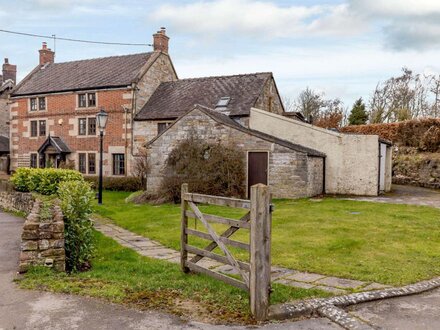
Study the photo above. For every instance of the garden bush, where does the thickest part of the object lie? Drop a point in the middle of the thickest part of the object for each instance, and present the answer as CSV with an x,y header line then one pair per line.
x,y
126,183
76,203
208,168
42,180
423,134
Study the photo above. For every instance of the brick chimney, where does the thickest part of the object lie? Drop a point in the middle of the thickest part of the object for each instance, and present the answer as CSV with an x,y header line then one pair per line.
x,y
9,71
160,41
46,55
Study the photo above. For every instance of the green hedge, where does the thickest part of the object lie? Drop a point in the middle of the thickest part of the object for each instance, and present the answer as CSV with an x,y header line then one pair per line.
x,y
76,203
126,183
43,180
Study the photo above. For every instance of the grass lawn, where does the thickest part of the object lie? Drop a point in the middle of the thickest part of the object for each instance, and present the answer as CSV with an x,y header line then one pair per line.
x,y
385,243
123,276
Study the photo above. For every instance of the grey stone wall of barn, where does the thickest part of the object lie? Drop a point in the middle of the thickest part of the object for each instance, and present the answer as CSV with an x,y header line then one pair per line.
x,y
292,174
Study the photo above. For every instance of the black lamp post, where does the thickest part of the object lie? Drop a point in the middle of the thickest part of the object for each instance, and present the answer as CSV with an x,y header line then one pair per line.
x,y
101,119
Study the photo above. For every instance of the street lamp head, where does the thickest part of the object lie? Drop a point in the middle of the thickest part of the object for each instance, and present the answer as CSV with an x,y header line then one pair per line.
x,y
101,119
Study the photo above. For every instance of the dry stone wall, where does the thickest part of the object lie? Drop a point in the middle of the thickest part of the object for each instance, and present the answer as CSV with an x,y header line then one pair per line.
x,y
15,201
43,238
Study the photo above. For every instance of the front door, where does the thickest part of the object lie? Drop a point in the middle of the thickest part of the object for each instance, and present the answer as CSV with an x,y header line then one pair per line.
x,y
257,169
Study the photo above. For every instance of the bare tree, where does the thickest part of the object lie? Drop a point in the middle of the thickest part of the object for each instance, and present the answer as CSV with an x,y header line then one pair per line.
x,y
309,103
401,98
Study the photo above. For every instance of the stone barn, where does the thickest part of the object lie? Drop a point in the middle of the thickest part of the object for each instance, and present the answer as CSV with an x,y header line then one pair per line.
x,y
291,170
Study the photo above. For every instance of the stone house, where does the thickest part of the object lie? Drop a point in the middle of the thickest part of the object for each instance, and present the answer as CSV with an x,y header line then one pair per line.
x,y
8,78
232,95
53,110
290,169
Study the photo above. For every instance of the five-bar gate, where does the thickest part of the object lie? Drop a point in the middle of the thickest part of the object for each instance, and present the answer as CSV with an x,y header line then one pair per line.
x,y
255,274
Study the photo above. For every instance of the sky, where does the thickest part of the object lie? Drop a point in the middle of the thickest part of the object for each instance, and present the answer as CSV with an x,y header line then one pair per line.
x,y
341,48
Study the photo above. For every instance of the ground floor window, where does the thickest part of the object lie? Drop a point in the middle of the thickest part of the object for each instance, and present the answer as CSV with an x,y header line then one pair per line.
x,y
82,163
92,164
118,164
42,162
34,160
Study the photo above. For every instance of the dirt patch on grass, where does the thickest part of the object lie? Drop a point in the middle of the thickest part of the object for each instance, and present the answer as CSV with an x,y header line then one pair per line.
x,y
191,309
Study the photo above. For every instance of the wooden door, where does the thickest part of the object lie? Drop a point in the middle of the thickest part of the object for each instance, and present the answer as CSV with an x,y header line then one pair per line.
x,y
257,169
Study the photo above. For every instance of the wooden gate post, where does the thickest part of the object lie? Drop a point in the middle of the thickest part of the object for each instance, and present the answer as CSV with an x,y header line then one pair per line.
x,y
183,234
260,242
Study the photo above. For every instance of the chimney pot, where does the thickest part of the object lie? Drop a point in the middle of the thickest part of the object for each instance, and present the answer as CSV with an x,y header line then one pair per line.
x,y
46,55
161,41
9,71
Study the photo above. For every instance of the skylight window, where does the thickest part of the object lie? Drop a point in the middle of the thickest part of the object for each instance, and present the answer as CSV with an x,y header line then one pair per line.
x,y
223,102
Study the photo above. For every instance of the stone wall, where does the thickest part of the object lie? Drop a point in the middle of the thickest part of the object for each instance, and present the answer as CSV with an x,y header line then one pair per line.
x,y
270,100
42,240
288,169
4,115
16,201
417,169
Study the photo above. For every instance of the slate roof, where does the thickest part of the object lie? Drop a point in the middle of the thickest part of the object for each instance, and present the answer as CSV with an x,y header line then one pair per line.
x,y
55,142
4,144
226,120
173,99
105,72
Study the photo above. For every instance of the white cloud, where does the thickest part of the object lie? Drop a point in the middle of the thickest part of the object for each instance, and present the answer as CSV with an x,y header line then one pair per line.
x,y
257,18
396,8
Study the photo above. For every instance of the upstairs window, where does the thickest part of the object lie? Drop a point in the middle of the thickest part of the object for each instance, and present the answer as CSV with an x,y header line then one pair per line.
x,y
41,103
82,101
162,127
92,126
91,100
42,128
33,104
87,100
82,126
34,128
37,103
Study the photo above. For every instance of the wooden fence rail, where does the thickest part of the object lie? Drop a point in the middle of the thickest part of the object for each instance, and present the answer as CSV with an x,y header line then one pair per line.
x,y
255,274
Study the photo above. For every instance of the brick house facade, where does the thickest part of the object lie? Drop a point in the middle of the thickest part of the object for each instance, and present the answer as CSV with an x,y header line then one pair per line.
x,y
53,109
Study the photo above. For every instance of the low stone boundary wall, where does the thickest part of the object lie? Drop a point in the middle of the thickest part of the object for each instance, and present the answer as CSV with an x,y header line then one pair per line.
x,y
43,238
16,201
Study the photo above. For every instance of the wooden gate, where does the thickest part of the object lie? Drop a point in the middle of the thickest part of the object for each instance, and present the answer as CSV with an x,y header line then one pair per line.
x,y
255,274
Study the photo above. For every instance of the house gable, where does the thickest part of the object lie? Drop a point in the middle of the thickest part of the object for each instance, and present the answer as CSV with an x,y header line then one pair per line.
x,y
290,167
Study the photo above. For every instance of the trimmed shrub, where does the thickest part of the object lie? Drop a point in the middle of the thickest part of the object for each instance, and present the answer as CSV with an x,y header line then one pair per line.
x,y
126,183
76,203
212,169
42,180
423,134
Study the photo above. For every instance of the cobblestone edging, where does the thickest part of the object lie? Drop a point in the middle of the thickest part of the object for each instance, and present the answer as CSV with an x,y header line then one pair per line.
x,y
285,276
325,306
42,239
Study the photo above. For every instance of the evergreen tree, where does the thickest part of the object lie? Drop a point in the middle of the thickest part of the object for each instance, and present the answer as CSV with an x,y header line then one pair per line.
x,y
358,115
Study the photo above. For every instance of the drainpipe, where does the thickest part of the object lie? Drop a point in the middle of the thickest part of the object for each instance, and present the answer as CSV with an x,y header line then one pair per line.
x,y
323,175
133,109
378,179
126,138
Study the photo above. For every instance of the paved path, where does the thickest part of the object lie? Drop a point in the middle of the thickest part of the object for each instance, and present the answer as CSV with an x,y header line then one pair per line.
x,y
406,195
152,249
26,310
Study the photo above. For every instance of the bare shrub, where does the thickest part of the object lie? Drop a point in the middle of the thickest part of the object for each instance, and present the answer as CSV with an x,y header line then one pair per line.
x,y
208,168
141,168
